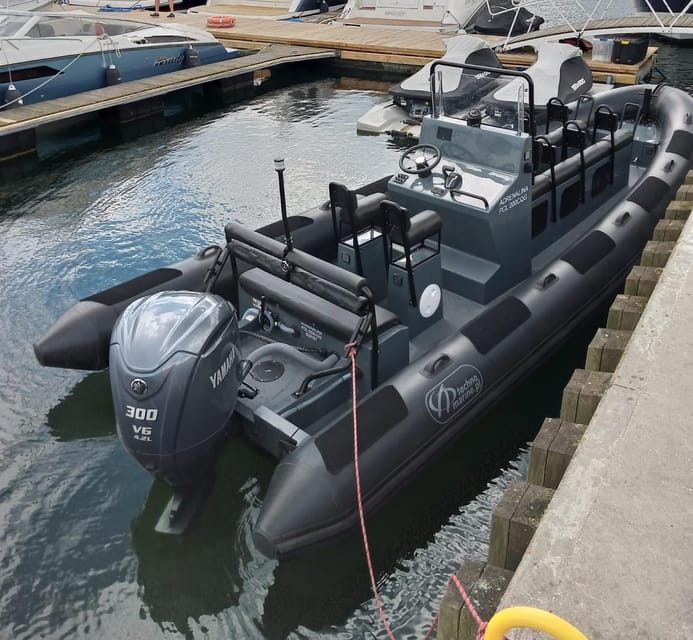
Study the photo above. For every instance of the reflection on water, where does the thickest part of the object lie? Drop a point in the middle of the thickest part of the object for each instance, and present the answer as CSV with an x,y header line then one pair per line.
x,y
85,412
79,557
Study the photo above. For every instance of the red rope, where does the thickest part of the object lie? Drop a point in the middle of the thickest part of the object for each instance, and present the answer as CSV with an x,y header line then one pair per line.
x,y
481,625
351,353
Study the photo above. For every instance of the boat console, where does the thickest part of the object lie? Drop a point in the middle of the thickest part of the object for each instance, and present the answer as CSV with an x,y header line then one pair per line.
x,y
478,178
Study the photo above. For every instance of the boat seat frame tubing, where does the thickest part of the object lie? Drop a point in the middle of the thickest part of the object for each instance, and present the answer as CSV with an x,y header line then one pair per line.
x,y
556,111
562,175
606,120
574,137
547,149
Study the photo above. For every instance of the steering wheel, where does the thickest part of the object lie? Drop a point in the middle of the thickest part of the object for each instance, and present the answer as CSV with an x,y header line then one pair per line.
x,y
420,159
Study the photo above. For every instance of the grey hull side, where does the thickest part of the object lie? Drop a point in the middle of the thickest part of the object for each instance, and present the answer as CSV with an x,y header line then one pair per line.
x,y
408,421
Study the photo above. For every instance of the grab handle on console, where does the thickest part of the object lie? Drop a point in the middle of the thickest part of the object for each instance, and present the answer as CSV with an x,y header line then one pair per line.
x,y
459,192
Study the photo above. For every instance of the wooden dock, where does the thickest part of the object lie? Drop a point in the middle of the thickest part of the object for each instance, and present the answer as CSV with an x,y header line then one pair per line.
x,y
31,116
404,47
275,43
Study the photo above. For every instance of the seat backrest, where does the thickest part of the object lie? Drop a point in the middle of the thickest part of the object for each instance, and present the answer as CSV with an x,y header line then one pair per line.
x,y
343,206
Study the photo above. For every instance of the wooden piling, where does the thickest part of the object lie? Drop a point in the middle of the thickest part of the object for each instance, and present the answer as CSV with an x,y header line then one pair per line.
x,y
685,191
582,395
485,585
642,280
678,210
656,253
625,312
552,451
606,348
668,229
514,522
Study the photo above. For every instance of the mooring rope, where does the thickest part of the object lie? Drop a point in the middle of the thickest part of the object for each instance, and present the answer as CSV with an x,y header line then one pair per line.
x,y
50,78
351,349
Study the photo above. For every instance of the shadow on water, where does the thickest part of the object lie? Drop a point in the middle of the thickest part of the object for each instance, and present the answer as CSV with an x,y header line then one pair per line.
x,y
85,412
204,571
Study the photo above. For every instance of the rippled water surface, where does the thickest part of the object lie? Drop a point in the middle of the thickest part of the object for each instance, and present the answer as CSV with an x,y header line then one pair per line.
x,y
78,555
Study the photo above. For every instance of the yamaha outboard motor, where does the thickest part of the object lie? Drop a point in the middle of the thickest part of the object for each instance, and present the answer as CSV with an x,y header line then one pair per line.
x,y
175,375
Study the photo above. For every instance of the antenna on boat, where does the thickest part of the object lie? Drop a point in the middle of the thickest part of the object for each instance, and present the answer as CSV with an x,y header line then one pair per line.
x,y
279,168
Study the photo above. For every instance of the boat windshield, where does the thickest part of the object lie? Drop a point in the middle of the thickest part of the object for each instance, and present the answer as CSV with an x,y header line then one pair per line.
x,y
493,97
72,24
10,24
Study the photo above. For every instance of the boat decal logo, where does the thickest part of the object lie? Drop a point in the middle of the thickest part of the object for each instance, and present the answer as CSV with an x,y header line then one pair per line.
x,y
450,396
220,374
138,386
164,60
511,200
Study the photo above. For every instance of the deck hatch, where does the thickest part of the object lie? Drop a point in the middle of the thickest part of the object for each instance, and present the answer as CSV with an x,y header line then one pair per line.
x,y
132,287
650,194
377,414
496,324
590,250
681,144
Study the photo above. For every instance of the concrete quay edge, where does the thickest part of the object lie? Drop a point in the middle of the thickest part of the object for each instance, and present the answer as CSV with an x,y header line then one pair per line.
x,y
613,554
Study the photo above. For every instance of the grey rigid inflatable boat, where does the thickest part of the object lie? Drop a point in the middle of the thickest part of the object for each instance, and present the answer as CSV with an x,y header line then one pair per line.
x,y
454,278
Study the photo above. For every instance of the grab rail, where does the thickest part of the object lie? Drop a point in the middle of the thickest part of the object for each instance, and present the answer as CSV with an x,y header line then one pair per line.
x,y
497,71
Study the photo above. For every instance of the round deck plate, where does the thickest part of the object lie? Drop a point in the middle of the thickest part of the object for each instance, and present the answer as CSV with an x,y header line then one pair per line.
x,y
267,371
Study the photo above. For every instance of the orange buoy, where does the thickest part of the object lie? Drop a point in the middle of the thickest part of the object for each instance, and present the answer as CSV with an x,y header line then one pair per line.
x,y
221,21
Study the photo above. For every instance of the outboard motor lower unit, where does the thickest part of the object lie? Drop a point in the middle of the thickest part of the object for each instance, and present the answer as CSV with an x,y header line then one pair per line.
x,y
175,374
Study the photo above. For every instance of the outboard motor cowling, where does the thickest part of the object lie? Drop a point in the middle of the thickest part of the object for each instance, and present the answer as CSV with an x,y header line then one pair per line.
x,y
175,374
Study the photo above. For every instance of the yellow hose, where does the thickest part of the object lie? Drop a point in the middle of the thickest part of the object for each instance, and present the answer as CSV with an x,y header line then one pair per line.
x,y
536,619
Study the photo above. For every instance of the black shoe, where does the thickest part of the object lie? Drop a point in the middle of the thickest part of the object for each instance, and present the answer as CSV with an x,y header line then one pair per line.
x,y
171,15
154,14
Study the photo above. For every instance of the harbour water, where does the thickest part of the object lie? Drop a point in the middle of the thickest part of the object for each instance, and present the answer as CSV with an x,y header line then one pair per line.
x,y
78,554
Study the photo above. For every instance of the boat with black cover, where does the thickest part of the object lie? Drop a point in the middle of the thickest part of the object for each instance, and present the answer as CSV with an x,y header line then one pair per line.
x,y
559,73
447,282
411,98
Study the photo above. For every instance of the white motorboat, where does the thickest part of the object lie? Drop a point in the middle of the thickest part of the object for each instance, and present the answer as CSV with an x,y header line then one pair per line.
x,y
411,99
501,17
24,5
117,5
50,55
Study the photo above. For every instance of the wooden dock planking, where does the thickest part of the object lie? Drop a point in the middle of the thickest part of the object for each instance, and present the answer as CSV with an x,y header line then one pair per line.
x,y
402,46
374,40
